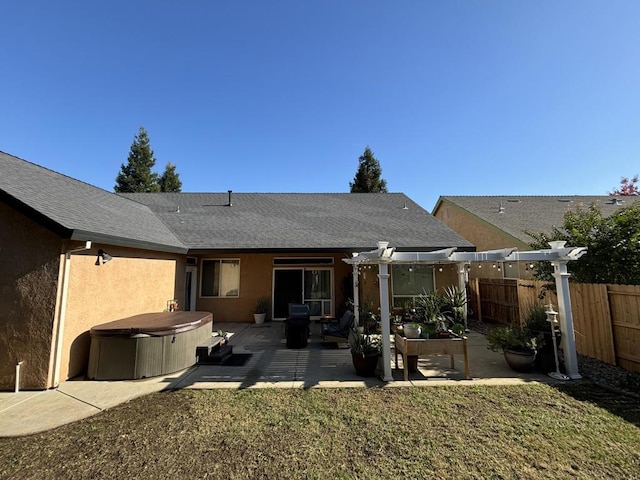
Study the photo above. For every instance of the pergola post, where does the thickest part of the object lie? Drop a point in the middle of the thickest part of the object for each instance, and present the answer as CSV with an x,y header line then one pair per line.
x,y
383,277
566,319
462,285
356,293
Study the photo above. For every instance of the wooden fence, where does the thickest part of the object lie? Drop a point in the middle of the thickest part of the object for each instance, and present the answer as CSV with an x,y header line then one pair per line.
x,y
606,317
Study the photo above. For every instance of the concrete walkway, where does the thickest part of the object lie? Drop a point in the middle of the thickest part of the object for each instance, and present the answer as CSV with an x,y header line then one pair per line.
x,y
271,365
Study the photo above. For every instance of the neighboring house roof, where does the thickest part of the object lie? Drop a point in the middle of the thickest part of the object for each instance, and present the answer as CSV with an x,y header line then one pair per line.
x,y
299,221
516,214
79,211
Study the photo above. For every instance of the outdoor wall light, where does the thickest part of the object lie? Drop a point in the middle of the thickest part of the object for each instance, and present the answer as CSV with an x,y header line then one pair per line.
x,y
105,257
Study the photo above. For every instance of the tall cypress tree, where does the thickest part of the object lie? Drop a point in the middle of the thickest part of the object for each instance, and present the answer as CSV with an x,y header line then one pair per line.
x,y
368,177
136,176
170,180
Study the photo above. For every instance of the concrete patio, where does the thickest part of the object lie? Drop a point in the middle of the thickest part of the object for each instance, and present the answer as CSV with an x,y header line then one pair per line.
x,y
271,365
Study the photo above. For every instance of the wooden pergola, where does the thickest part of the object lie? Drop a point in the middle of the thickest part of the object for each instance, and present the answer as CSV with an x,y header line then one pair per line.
x,y
558,255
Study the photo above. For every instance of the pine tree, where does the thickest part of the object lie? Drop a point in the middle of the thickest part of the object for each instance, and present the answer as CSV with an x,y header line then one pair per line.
x,y
170,180
368,176
136,176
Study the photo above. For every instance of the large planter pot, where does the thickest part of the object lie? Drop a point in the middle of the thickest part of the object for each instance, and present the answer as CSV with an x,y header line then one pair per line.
x,y
259,318
365,366
520,361
410,331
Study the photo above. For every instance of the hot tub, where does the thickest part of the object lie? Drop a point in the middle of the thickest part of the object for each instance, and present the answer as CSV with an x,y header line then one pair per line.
x,y
147,345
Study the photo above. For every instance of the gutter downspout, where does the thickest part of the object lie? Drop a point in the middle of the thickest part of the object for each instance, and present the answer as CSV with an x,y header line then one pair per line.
x,y
58,338
18,365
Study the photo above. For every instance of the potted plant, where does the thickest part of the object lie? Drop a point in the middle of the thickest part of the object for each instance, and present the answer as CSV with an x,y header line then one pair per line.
x,y
535,320
260,310
518,345
412,330
365,350
455,303
429,310
368,320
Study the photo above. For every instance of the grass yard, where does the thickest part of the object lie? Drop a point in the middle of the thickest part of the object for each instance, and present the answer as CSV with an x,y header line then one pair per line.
x,y
577,430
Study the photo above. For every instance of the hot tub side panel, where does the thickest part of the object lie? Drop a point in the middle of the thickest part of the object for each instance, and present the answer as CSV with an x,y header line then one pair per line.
x,y
130,358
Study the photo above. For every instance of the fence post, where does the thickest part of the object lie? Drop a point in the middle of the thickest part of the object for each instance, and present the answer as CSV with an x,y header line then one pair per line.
x,y
476,286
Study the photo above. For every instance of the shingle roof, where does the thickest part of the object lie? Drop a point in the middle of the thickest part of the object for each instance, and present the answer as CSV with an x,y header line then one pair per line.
x,y
531,213
81,211
299,220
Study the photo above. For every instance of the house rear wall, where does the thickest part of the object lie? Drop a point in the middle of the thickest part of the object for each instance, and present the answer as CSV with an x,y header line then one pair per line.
x,y
134,282
29,265
256,280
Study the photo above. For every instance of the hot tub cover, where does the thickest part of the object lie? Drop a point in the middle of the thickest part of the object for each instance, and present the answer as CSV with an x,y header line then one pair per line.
x,y
153,324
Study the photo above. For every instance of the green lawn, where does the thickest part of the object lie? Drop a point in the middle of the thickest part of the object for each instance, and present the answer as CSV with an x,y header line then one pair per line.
x,y
529,431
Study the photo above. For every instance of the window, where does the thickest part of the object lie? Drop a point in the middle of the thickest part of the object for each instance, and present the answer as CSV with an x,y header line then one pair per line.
x,y
317,291
409,281
303,261
220,278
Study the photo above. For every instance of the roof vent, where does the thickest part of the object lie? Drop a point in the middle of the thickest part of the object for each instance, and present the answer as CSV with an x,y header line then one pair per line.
x,y
501,208
229,204
405,206
565,200
616,201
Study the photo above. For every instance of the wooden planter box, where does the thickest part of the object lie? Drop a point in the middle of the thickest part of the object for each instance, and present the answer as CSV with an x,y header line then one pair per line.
x,y
435,346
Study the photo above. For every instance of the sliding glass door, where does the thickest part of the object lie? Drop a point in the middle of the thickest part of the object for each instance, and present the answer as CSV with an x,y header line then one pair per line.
x,y
313,286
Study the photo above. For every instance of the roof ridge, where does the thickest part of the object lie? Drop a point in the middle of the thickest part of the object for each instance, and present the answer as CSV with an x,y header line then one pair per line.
x,y
234,192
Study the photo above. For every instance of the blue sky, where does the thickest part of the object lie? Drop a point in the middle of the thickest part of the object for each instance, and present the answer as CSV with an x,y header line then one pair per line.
x,y
453,97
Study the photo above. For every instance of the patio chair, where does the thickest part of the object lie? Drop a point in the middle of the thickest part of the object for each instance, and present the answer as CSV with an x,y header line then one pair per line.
x,y
338,332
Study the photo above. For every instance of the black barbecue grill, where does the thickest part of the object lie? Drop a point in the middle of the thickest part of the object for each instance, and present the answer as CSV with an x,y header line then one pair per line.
x,y
297,325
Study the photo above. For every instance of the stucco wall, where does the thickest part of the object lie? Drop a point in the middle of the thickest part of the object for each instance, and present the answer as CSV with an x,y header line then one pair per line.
x,y
485,237
29,265
256,280
134,282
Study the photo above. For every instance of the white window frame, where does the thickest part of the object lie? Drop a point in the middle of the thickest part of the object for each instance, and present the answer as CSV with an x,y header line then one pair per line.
x,y
322,300
203,262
